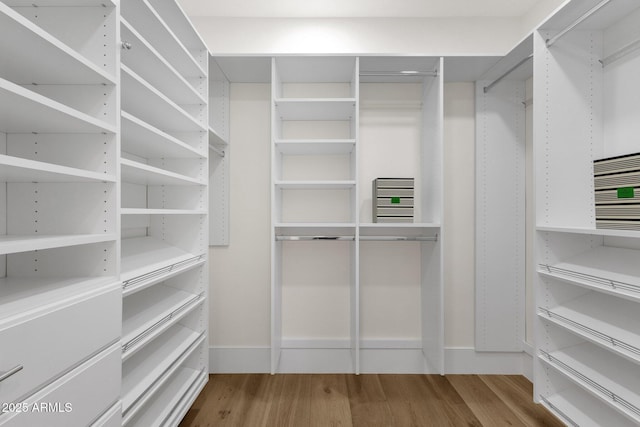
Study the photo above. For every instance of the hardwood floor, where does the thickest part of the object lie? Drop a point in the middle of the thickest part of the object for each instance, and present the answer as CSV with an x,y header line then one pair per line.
x,y
301,400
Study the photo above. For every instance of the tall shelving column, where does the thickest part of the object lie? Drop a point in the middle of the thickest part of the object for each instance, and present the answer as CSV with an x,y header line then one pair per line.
x,y
164,173
401,122
314,198
59,146
588,279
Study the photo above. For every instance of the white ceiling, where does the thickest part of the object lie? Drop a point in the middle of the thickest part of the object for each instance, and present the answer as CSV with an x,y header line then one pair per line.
x,y
357,8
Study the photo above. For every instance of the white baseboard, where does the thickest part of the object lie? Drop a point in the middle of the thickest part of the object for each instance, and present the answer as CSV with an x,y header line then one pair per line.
x,y
465,360
527,360
383,356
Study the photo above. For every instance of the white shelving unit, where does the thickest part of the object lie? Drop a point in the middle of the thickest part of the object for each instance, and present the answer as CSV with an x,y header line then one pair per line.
x,y
164,205
320,230
587,280
219,155
59,234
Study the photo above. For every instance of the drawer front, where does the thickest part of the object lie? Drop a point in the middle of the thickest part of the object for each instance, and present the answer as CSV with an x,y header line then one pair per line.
x,y
76,399
51,344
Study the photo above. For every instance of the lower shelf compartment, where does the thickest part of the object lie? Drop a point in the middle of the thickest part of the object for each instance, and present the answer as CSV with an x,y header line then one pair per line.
x,y
172,401
148,369
577,408
613,380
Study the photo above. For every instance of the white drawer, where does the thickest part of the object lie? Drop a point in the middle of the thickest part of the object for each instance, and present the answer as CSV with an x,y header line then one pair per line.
x,y
77,399
49,345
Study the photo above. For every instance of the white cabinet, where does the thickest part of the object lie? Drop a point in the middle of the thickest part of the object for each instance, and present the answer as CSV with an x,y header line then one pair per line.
x,y
164,205
59,240
588,279
324,239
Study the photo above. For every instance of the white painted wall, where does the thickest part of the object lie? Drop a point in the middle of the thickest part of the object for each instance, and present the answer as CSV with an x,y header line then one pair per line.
x,y
240,292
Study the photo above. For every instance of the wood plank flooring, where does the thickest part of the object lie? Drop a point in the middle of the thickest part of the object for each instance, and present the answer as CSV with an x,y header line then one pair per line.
x,y
300,400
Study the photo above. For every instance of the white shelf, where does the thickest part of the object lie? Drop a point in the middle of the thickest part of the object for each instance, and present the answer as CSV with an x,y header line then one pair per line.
x,y
314,185
612,270
591,231
142,256
315,108
610,322
16,169
39,57
183,383
152,106
23,243
320,69
27,112
23,296
584,409
148,62
63,3
147,313
142,211
144,18
400,229
146,141
155,362
316,146
140,173
216,139
315,229
614,381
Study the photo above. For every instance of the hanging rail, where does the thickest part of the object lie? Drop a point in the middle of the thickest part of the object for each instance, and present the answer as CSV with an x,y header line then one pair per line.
x,y
411,73
506,73
620,53
577,22
216,150
364,238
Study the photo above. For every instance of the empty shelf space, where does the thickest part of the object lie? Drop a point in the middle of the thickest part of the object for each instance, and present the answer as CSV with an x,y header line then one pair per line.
x,y
149,312
155,362
144,140
605,320
146,20
151,105
24,295
149,63
16,169
183,385
615,381
143,211
317,146
585,410
24,111
592,231
610,269
146,260
316,69
38,57
23,243
315,185
216,139
140,173
315,108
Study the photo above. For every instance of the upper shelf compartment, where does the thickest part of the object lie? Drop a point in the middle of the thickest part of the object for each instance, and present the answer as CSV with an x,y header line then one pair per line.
x,y
318,69
316,108
24,111
41,58
146,20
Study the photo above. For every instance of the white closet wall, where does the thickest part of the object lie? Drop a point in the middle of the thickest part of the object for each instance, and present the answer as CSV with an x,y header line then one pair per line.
x,y
164,172
588,279
59,144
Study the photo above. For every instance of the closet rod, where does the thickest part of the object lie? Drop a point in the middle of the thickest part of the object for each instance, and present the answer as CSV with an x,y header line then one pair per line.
x,y
577,22
216,150
307,238
399,73
400,238
506,73
620,53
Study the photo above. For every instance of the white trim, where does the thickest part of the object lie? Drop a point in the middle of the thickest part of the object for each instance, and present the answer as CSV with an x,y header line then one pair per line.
x,y
527,366
339,343
466,360
527,348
